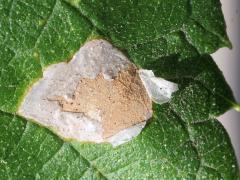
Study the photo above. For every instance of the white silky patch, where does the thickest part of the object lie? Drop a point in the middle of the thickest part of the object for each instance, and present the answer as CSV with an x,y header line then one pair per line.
x,y
126,134
159,89
94,58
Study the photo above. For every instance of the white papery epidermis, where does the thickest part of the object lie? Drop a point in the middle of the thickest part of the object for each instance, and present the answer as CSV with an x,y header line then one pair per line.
x,y
61,80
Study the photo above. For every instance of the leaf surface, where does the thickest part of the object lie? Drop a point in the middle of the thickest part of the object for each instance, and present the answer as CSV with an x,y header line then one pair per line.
x,y
167,148
172,38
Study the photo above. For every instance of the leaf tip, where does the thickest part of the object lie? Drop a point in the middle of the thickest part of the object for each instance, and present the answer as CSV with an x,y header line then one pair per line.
x,y
228,44
236,107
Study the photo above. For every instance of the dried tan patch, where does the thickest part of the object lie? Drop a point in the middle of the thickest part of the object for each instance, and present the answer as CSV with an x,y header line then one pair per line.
x,y
121,102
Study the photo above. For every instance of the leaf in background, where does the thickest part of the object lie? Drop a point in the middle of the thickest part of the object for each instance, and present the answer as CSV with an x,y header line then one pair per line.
x,y
171,37
138,22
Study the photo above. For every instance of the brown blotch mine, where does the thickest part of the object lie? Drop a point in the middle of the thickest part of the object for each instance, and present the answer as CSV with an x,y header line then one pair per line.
x,y
121,102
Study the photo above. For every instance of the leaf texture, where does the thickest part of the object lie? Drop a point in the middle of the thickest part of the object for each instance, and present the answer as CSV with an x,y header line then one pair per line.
x,y
173,38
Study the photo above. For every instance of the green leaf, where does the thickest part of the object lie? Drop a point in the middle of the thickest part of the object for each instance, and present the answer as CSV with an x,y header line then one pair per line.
x,y
29,151
132,23
173,38
167,148
35,34
203,90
